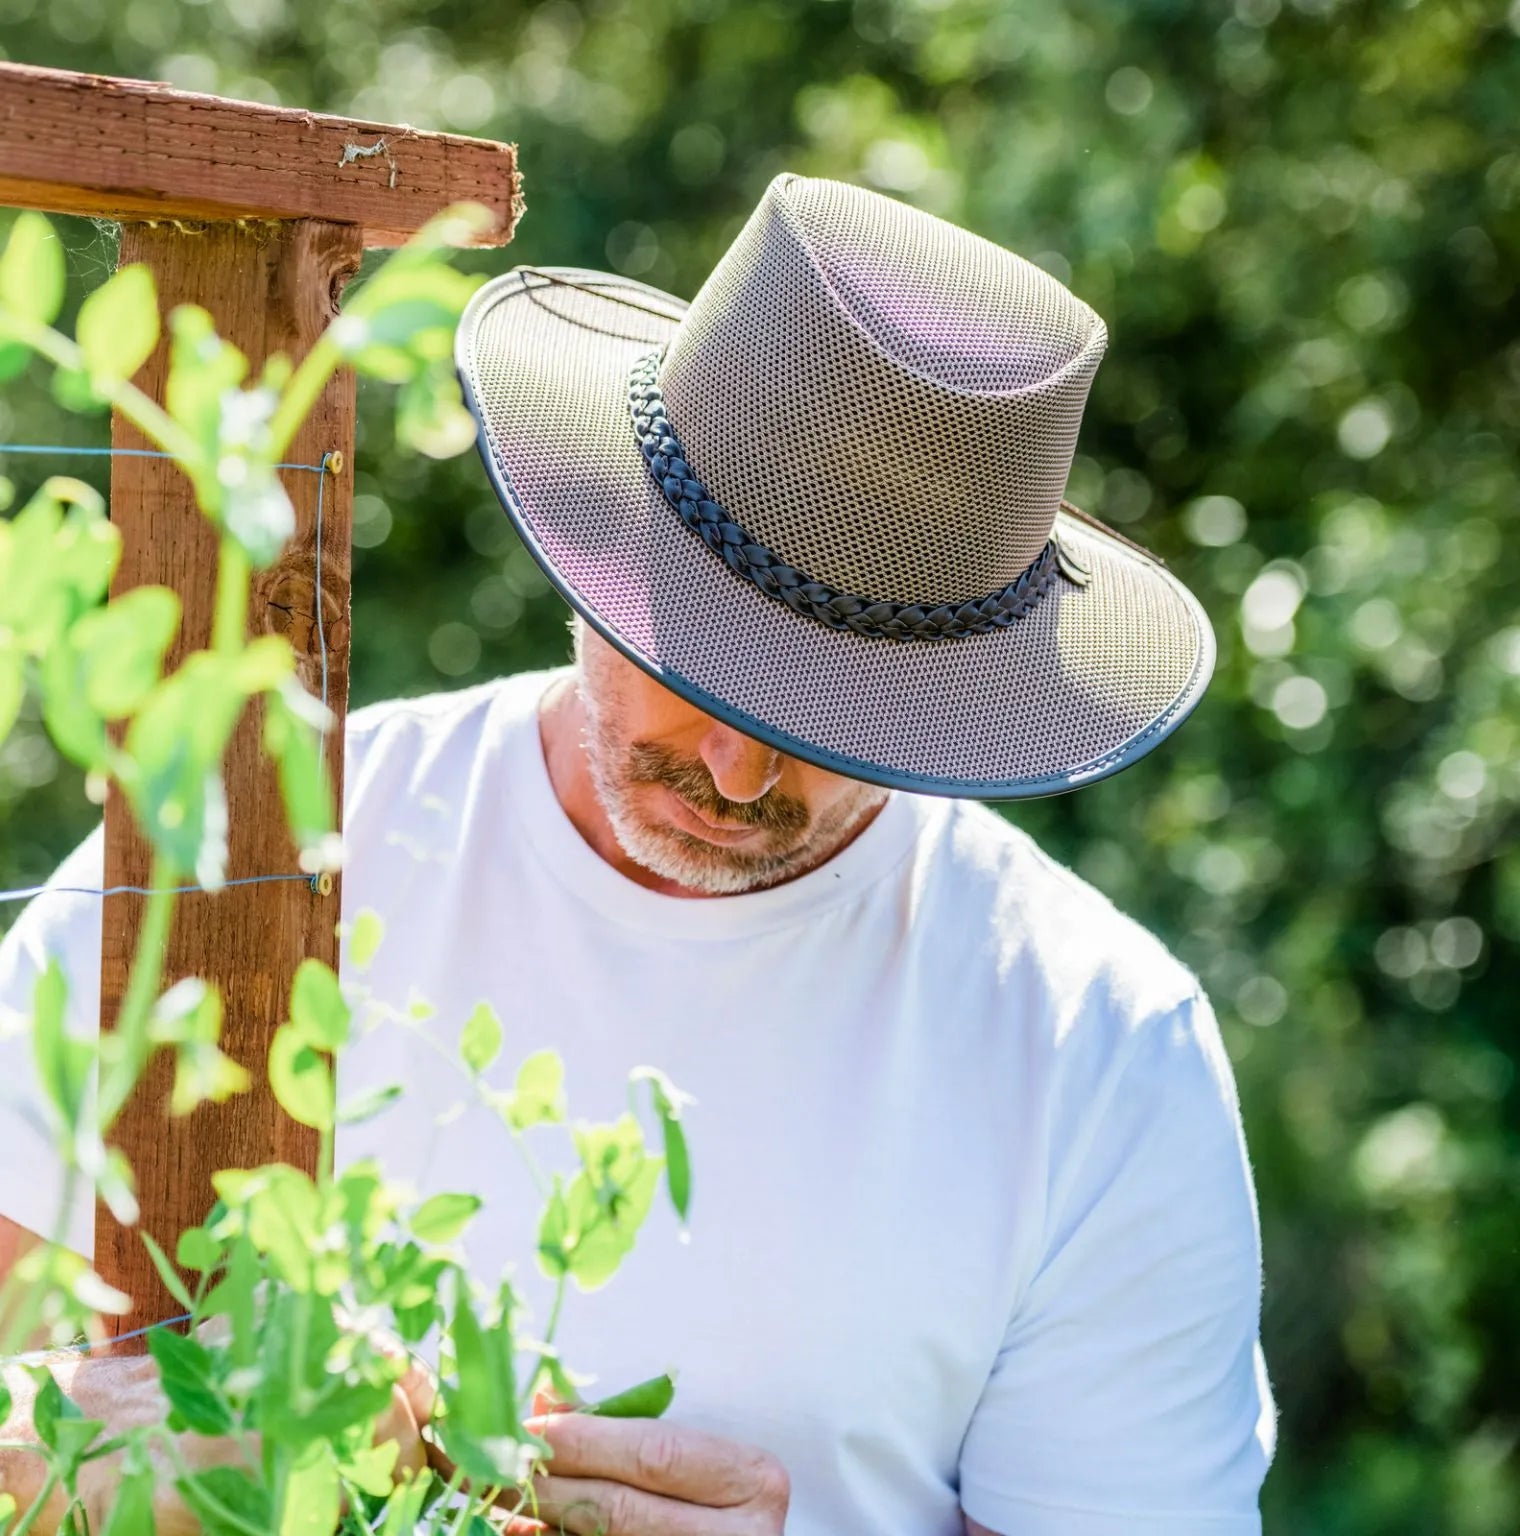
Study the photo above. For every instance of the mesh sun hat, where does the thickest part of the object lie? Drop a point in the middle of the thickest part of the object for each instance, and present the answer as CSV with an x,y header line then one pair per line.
x,y
823,502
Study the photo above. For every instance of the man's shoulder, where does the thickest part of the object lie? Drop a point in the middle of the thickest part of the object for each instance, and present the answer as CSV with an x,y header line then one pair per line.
x,y
1034,919
435,735
449,713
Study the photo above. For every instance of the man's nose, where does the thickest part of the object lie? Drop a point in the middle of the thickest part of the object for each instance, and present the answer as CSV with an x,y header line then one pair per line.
x,y
742,769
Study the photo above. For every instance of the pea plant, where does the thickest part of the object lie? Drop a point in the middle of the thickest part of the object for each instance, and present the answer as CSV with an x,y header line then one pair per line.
x,y
308,1293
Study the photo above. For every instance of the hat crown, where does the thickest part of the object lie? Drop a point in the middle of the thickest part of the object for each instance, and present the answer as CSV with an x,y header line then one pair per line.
x,y
884,400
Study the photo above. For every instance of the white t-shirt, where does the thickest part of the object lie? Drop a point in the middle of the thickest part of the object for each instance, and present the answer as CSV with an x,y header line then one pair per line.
x,y
973,1221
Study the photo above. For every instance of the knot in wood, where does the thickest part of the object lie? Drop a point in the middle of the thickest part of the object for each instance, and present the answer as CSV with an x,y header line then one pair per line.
x,y
290,610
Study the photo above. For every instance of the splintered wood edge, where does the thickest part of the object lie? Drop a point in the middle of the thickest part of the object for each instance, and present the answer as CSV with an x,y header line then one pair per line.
x,y
138,149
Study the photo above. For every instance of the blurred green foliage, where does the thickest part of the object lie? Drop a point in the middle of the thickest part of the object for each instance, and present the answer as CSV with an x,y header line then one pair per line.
x,y
1302,224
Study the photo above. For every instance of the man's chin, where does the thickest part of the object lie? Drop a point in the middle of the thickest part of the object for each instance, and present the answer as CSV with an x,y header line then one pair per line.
x,y
699,865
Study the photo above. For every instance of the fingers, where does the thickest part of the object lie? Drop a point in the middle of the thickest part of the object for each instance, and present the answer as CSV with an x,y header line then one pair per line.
x,y
593,1507
661,1458
398,1423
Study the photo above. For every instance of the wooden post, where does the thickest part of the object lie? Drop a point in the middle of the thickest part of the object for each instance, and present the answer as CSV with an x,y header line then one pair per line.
x,y
259,215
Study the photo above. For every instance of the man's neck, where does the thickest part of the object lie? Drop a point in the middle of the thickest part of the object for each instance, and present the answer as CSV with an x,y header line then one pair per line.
x,y
561,734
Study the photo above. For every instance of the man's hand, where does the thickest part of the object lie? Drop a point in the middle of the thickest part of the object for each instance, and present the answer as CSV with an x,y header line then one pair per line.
x,y
645,1477
123,1391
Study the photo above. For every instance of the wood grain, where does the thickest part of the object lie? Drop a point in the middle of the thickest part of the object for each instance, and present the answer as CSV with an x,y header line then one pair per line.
x,y
119,149
270,288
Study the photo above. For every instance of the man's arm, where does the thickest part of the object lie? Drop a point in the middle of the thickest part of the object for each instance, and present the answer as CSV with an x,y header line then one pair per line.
x,y
1130,1395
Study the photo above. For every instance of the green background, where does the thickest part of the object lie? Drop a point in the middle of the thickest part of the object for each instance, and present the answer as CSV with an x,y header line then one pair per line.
x,y
1302,224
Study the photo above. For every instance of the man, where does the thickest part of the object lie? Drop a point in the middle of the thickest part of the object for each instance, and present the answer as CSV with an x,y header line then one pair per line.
x,y
974,1239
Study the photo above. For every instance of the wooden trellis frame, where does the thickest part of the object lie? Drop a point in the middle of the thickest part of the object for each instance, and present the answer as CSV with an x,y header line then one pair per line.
x,y
259,214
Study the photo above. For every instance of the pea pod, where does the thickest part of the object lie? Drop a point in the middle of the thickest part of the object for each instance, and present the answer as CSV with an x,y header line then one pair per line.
x,y
648,1400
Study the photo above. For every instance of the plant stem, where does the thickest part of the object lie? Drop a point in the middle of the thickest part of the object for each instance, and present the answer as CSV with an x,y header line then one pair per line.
x,y
132,1045
230,1519
145,413
29,1519
229,624
301,394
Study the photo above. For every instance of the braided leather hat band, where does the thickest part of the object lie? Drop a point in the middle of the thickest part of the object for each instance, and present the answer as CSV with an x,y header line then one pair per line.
x,y
817,600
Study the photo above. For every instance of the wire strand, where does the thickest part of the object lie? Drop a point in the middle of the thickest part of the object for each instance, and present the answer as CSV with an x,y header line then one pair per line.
x,y
86,1345
129,453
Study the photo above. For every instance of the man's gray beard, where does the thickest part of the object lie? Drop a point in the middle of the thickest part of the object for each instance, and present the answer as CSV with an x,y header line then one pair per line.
x,y
675,855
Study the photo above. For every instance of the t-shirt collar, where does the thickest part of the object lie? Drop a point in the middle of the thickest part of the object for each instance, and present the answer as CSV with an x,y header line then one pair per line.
x,y
540,816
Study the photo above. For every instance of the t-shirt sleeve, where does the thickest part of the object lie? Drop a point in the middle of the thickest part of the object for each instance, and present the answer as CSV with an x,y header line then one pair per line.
x,y
65,924
1130,1396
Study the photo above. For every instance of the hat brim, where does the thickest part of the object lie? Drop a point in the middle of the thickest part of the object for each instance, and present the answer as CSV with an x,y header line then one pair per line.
x,y
1084,685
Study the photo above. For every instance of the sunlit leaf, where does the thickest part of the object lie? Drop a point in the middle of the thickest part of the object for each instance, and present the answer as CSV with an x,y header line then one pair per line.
x,y
226,1500
368,934
122,648
166,1272
444,1217
480,1040
118,324
301,1078
312,1495
187,1372
131,1511
538,1094
319,1014
32,272
12,685
297,751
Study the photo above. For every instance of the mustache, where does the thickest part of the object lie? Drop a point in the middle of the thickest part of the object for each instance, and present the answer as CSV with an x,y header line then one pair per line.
x,y
652,764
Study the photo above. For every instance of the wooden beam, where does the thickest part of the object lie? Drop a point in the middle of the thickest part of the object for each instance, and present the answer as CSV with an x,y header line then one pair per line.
x,y
271,288
137,149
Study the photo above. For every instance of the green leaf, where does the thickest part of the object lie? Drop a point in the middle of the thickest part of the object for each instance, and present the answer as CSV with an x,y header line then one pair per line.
x,y
197,1249
365,1106
538,1094
63,1063
14,356
312,1498
188,1375
301,1078
484,1403
32,272
431,416
202,368
281,1205
318,1013
368,934
167,1273
403,1510
444,1217
131,1511
172,768
227,1501
122,647
296,750
72,721
480,1041
373,1469
73,390
12,684
5,1401
118,324
116,1185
